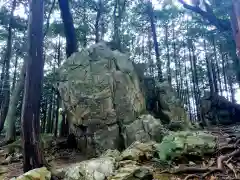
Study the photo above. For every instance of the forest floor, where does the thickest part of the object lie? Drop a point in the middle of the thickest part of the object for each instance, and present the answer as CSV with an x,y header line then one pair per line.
x,y
224,164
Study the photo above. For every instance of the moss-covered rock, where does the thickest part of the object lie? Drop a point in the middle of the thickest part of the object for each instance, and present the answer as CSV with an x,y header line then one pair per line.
x,y
35,174
177,144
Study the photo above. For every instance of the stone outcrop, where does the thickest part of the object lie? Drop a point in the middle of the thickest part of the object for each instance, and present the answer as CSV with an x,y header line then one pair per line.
x,y
101,91
217,109
104,93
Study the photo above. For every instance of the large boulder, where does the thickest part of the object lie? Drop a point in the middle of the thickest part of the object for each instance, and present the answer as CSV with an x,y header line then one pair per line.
x,y
176,145
144,129
101,91
217,109
170,108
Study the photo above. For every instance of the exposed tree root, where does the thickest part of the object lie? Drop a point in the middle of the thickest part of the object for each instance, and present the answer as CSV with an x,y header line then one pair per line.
x,y
6,142
231,167
192,170
212,171
225,157
225,148
191,176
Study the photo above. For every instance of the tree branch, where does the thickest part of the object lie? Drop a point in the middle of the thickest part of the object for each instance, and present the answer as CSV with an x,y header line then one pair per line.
x,y
222,25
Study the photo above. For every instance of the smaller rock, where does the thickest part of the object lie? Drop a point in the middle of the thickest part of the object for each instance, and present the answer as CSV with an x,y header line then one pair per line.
x,y
94,169
192,163
131,171
138,151
3,170
112,153
126,162
36,174
8,160
143,173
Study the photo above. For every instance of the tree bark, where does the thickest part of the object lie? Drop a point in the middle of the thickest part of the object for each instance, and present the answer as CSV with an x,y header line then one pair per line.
x,y
224,70
14,100
175,60
235,22
209,71
69,30
49,113
32,155
217,66
154,35
58,95
119,9
15,73
99,13
168,56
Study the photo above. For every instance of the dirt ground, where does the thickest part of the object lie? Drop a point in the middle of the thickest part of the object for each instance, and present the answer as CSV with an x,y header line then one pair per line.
x,y
224,164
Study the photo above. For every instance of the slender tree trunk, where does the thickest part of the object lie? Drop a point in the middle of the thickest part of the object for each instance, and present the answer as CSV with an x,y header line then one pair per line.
x,y
195,79
119,9
217,66
32,155
230,82
85,23
6,83
14,100
99,13
49,113
64,129
150,60
44,111
209,71
224,70
168,56
53,112
14,74
102,30
69,30
213,65
1,81
58,95
187,86
235,22
175,61
150,15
